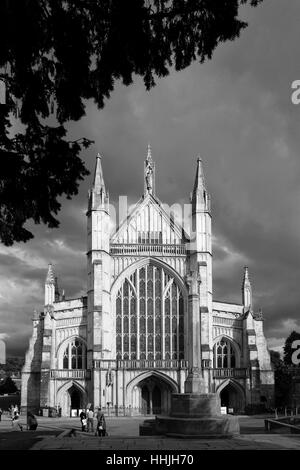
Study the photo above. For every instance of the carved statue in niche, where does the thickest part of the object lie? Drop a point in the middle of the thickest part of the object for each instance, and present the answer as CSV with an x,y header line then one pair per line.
x,y
149,176
193,280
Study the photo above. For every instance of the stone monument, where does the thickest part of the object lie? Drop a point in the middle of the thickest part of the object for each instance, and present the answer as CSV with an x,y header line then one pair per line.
x,y
195,413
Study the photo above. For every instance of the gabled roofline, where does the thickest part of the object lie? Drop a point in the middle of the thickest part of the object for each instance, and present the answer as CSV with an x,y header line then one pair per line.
x,y
142,202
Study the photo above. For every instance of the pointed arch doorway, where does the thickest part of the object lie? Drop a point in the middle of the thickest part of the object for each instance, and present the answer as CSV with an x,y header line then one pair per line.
x,y
145,398
75,398
156,400
151,395
71,398
232,397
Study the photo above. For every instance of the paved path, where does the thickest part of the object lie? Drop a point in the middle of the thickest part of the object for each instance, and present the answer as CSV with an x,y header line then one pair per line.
x,y
245,442
124,435
116,426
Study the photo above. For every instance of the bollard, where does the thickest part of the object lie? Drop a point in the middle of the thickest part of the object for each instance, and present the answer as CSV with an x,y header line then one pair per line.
x,y
266,425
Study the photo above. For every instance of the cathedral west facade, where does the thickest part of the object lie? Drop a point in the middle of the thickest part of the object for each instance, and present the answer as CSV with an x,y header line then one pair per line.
x,y
124,346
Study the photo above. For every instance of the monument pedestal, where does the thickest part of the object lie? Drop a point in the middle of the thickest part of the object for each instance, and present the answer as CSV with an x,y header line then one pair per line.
x,y
196,415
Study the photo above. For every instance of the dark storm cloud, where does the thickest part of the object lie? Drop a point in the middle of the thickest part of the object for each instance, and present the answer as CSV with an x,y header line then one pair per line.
x,y
236,112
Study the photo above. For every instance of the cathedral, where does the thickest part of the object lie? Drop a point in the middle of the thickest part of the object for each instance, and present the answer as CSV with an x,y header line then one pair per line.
x,y
149,309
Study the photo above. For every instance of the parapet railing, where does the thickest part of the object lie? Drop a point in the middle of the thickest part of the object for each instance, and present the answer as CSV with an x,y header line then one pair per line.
x,y
141,364
238,373
142,249
70,374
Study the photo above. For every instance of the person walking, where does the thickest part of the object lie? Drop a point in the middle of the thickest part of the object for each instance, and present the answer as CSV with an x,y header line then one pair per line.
x,y
15,420
11,412
101,423
83,420
90,420
31,422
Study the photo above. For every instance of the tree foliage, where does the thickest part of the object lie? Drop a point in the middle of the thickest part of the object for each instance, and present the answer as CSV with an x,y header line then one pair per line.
x,y
7,385
284,370
288,350
55,54
13,365
283,381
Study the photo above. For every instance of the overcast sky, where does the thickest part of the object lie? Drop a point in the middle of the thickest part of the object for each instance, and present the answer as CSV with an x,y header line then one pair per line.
x,y
236,112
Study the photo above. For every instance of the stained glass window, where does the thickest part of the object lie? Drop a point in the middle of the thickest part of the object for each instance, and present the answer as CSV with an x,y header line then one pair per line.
x,y
126,324
142,324
174,346
133,344
152,303
132,307
224,354
158,346
150,343
126,343
174,325
150,288
125,305
66,359
142,306
133,325
74,356
167,343
142,343
142,288
119,343
150,324
118,324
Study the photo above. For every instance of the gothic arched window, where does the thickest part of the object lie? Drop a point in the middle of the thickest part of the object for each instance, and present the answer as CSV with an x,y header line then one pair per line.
x,y
224,354
74,356
150,316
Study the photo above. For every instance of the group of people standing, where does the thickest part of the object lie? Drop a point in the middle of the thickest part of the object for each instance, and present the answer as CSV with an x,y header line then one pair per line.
x,y
87,421
15,419
13,409
15,416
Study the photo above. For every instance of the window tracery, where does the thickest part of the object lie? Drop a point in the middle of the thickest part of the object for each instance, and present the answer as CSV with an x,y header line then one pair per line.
x,y
74,356
224,354
150,316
